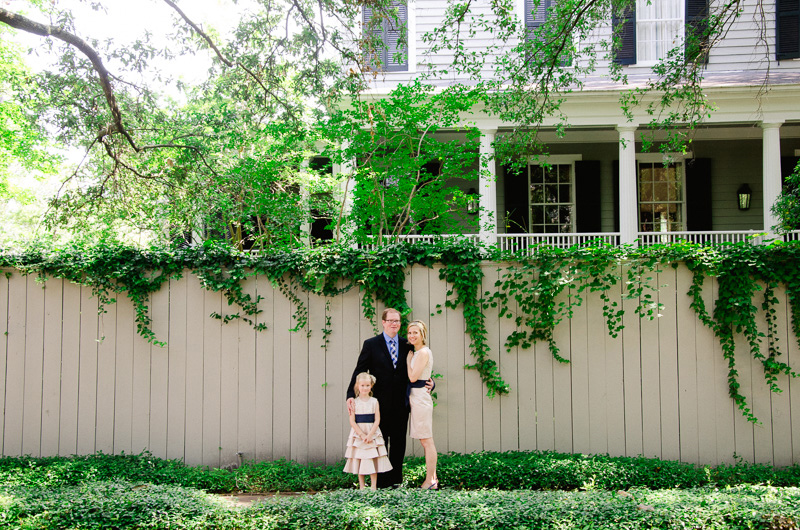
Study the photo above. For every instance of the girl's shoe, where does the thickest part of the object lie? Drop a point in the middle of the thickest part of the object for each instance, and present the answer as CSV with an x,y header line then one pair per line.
x,y
434,486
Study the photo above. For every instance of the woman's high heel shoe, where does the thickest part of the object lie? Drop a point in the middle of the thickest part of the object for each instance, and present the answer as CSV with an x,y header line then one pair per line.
x,y
434,486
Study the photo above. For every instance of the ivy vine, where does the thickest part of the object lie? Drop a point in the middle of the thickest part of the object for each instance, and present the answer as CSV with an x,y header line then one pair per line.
x,y
544,286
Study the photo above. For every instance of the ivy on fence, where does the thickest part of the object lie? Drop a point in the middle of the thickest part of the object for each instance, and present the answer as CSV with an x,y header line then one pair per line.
x,y
545,286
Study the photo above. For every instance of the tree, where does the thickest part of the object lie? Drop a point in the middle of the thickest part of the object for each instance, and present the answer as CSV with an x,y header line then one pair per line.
x,y
229,163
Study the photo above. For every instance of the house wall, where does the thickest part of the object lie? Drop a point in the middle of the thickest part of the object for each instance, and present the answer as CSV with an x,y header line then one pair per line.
x,y
743,47
75,382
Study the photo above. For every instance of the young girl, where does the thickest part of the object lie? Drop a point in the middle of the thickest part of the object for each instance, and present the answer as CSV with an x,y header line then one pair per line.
x,y
366,451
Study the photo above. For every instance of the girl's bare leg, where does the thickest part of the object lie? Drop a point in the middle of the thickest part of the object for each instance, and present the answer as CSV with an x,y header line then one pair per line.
x,y
430,462
373,481
361,484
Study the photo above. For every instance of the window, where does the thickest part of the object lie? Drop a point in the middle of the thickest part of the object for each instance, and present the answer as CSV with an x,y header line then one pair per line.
x,y
388,46
661,202
551,198
787,32
659,27
649,30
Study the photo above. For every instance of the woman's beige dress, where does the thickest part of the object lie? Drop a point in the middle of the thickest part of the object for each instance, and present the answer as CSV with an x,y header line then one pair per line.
x,y
421,424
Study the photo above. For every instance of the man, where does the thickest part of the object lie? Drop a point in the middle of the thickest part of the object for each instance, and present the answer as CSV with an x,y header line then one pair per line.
x,y
384,356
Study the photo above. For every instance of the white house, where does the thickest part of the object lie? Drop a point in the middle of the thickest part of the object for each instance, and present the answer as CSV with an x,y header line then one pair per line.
x,y
601,183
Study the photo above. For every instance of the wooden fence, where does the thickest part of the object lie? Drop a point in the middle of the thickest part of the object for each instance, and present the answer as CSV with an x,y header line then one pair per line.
x,y
75,382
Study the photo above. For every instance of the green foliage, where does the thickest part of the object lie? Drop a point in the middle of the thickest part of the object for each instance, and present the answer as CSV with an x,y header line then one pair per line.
x,y
787,206
537,292
286,475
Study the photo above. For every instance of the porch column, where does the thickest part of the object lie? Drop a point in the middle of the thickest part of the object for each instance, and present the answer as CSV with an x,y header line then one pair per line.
x,y
628,218
771,160
487,188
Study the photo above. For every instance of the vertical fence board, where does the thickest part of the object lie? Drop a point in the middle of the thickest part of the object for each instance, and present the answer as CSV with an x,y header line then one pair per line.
x,y
196,320
651,384
780,402
51,370
688,405
491,406
283,391
5,278
34,360
668,365
615,397
212,352
140,424
536,387
724,406
562,385
247,379
123,392
509,403
579,372
632,372
744,439
596,362
229,382
15,365
298,367
176,376
316,378
106,379
70,362
793,388
159,373
707,352
87,376
264,370
337,376
761,400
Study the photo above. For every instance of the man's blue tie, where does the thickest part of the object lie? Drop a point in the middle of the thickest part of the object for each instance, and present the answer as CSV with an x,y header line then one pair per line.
x,y
393,352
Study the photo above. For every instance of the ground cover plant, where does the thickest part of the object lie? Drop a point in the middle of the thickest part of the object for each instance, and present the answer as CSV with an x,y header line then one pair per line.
x,y
519,489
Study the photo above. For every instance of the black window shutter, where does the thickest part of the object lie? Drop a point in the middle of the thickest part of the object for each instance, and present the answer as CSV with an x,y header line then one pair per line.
x,y
396,41
787,32
698,194
696,27
615,186
535,15
516,198
625,23
587,196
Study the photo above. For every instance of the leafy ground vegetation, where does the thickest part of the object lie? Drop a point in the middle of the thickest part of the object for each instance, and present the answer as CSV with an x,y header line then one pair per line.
x,y
482,490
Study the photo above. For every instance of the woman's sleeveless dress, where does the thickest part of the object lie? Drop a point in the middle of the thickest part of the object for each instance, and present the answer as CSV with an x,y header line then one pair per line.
x,y
366,458
421,422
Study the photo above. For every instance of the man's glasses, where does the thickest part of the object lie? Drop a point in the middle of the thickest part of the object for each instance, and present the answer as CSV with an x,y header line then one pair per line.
x,y
392,321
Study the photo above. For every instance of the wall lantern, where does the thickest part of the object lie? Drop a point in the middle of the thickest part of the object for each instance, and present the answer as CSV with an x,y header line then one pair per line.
x,y
744,194
472,202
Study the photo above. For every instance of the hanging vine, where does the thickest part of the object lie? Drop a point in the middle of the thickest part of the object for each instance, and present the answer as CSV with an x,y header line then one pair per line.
x,y
545,287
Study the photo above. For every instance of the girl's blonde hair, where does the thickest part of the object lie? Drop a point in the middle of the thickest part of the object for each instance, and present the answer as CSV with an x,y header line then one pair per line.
x,y
423,330
361,377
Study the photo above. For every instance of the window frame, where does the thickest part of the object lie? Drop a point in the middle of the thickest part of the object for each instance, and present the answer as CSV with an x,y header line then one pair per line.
x,y
659,159
554,160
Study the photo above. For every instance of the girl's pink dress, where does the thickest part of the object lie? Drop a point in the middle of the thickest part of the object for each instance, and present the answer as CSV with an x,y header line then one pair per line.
x,y
366,458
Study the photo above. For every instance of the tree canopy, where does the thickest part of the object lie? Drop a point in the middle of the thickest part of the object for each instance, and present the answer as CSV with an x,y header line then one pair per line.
x,y
228,158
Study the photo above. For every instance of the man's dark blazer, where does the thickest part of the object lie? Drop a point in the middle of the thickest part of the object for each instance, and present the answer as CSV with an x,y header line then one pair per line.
x,y
390,390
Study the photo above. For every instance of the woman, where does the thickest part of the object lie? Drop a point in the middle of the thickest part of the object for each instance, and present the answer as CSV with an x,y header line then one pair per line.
x,y
420,367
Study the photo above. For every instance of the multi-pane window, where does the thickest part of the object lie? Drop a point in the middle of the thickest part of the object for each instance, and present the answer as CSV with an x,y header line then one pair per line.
x,y
552,202
659,28
661,202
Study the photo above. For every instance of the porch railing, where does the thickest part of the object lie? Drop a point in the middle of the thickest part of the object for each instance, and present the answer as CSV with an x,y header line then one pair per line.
x,y
416,238
529,242
647,239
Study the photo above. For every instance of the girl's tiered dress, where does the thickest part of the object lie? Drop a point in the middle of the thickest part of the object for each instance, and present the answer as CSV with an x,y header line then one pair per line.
x,y
366,458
